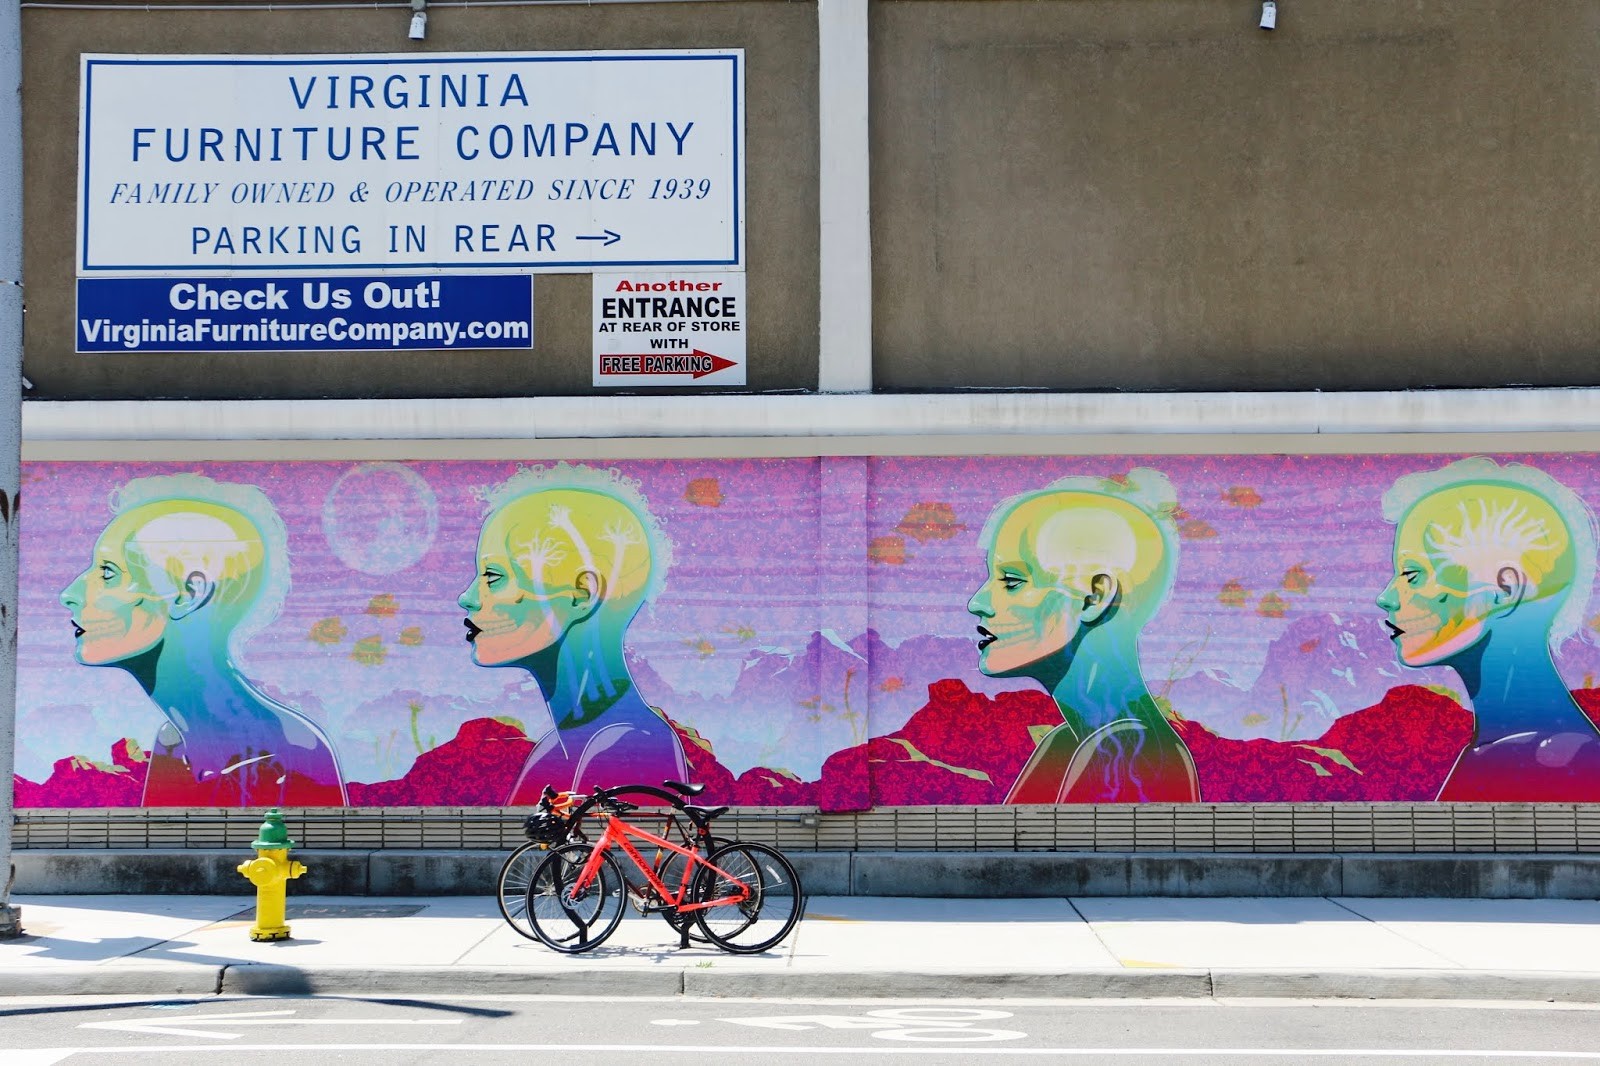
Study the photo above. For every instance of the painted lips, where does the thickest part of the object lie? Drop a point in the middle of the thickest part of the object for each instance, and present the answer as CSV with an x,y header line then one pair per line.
x,y
1394,630
985,638
472,630
77,630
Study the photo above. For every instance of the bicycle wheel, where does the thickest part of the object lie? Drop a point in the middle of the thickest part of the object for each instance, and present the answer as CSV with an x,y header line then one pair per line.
x,y
511,889
669,871
771,907
568,921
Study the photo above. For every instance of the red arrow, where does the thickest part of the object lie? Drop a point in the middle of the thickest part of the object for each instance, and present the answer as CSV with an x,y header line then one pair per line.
x,y
696,364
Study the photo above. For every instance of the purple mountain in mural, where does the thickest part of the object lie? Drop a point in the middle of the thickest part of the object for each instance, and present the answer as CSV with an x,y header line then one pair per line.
x,y
788,709
382,736
1323,667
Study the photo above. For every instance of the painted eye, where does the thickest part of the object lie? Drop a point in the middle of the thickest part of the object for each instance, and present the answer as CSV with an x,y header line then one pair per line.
x,y
1413,577
108,573
493,577
1011,582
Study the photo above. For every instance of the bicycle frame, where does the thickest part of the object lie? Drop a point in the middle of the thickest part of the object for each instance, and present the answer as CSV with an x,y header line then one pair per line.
x,y
617,833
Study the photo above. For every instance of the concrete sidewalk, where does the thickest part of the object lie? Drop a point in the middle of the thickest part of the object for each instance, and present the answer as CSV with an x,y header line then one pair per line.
x,y
846,946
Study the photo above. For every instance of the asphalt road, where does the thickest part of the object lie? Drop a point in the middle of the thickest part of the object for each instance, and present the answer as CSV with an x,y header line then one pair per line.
x,y
398,1030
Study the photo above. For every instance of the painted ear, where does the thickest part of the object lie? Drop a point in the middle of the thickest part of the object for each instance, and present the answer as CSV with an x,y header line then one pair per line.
x,y
1511,587
195,592
588,592
1103,592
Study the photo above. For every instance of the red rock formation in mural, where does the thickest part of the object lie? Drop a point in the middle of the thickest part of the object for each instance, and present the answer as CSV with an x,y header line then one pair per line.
x,y
80,782
962,747
476,768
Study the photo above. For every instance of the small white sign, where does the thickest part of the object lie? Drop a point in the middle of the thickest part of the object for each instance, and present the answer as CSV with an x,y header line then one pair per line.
x,y
653,328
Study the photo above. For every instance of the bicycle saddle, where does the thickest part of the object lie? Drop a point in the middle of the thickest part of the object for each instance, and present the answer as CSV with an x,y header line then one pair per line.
x,y
687,790
705,813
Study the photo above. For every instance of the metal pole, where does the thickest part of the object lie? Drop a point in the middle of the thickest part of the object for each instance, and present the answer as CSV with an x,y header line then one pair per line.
x,y
10,431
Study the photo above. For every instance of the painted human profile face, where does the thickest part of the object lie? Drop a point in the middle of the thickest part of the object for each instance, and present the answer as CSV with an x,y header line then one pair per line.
x,y
116,614
1026,613
1436,610
514,608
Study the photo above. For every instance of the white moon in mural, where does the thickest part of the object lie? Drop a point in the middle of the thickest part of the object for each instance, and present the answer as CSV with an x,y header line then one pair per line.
x,y
380,518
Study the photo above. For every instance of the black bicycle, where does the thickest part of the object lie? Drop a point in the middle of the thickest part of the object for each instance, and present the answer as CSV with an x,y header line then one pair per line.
x,y
561,820
743,897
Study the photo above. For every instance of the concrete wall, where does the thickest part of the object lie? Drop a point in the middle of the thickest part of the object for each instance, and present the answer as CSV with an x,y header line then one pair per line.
x,y
1070,195
781,139
1157,195
924,874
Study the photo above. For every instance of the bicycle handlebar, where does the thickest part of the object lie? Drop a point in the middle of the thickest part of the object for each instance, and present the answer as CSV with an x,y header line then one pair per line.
x,y
574,806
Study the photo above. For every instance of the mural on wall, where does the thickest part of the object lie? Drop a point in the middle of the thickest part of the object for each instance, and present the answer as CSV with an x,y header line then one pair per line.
x,y
1486,563
1075,572
565,561
841,632
186,570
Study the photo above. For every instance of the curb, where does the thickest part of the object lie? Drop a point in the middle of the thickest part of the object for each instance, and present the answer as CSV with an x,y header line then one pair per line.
x,y
1059,984
260,979
176,979
265,979
1407,984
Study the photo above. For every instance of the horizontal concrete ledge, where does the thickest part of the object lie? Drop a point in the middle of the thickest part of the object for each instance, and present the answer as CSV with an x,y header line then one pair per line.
x,y
1038,874
1061,984
959,415
114,979
258,979
983,874
592,977
1406,984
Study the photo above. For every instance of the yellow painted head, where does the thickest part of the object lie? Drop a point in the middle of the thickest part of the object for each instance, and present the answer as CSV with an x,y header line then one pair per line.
x,y
1476,542
1064,556
560,546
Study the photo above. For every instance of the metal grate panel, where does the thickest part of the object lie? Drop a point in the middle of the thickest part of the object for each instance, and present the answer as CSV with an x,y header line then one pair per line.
x,y
1339,828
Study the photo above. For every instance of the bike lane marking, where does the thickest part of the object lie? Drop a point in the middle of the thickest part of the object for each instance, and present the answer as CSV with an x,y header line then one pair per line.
x,y
952,1025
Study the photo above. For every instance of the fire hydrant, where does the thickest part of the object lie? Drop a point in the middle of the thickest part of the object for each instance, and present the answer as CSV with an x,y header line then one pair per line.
x,y
270,871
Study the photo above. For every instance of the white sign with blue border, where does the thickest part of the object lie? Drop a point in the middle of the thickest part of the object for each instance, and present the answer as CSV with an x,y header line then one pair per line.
x,y
362,164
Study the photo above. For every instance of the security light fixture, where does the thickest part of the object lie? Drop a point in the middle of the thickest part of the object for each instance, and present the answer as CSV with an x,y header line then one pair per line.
x,y
1269,14
419,20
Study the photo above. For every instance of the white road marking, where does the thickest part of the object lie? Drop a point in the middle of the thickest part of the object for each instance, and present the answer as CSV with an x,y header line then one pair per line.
x,y
940,1015
184,1026
714,1049
949,1036
953,1025
674,1021
41,1056
133,1025
802,1022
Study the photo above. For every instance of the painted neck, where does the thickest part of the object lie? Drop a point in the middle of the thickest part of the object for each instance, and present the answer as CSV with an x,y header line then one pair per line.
x,y
1514,688
1102,681
584,678
220,717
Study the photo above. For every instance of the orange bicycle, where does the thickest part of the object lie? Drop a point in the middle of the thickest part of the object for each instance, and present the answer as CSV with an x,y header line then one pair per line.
x,y
743,897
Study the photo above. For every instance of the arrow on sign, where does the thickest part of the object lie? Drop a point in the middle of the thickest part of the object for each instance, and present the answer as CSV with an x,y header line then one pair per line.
x,y
696,364
170,1027
609,236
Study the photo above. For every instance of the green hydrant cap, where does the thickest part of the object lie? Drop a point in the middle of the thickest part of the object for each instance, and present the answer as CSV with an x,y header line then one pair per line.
x,y
273,833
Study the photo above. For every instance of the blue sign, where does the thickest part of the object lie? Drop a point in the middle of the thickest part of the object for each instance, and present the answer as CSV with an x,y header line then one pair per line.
x,y
305,314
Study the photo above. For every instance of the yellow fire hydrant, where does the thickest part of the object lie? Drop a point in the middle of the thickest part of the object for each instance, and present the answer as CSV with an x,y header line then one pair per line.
x,y
270,871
